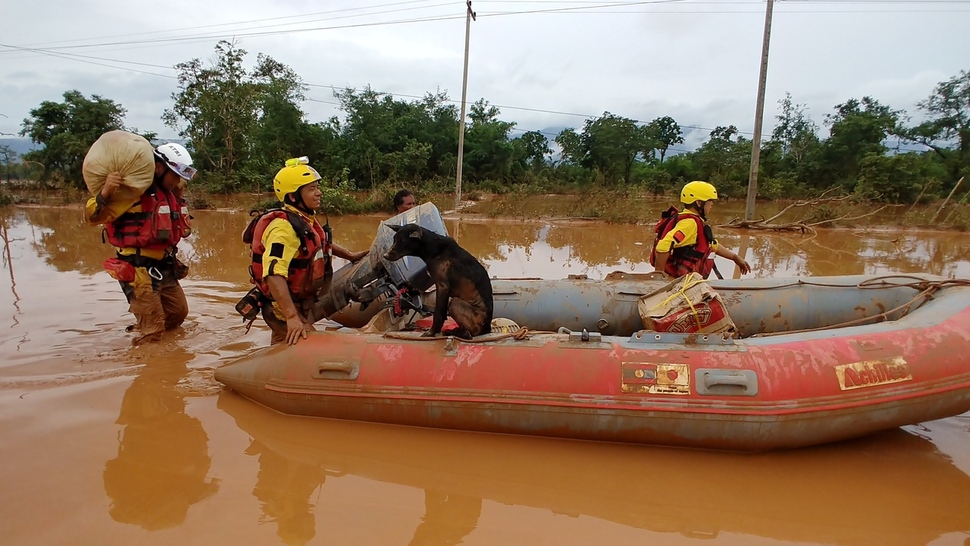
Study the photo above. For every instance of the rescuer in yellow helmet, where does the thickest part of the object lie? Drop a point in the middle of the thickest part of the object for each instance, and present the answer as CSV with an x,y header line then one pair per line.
x,y
291,253
684,241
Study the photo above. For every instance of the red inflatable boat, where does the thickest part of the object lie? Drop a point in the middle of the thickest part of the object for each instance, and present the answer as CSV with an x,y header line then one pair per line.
x,y
812,360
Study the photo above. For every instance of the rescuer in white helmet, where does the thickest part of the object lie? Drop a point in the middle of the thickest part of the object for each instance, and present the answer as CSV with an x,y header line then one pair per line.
x,y
145,236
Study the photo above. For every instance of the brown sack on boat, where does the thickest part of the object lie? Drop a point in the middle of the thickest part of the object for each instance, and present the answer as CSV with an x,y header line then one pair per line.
x,y
686,305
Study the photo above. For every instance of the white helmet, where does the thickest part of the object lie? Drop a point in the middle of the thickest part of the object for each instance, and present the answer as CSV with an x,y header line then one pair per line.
x,y
177,158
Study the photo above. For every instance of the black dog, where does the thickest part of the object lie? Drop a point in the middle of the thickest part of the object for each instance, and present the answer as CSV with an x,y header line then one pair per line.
x,y
463,288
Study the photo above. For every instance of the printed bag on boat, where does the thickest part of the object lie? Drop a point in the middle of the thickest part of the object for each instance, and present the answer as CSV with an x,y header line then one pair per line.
x,y
686,305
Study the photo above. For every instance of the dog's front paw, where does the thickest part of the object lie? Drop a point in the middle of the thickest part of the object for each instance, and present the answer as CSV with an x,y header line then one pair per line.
x,y
457,332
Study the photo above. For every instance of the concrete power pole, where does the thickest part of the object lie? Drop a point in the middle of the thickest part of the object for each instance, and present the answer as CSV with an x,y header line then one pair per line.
x,y
469,17
759,114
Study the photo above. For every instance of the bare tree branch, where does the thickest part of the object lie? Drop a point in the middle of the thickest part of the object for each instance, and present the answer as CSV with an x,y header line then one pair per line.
x,y
802,226
846,217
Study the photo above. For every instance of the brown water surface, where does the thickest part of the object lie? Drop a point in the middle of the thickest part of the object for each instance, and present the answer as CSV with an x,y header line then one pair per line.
x,y
104,444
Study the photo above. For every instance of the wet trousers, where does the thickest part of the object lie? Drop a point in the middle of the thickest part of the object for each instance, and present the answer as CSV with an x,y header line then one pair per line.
x,y
277,321
156,299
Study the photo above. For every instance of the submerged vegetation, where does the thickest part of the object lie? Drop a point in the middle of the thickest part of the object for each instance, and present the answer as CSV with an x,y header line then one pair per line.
x,y
621,206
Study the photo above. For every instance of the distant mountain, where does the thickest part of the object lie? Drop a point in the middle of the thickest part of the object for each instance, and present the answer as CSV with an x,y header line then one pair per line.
x,y
20,145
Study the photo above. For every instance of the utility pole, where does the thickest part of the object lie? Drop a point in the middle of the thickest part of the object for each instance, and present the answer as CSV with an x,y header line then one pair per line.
x,y
759,114
469,17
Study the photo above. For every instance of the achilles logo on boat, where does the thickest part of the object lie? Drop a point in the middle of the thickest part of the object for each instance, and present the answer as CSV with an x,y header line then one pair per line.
x,y
649,378
870,373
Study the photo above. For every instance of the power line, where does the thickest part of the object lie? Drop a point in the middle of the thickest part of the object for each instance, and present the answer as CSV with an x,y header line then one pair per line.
x,y
80,58
76,57
572,7
301,16
260,34
577,9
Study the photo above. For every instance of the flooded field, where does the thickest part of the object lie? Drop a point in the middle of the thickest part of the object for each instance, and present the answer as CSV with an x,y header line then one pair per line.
x,y
105,444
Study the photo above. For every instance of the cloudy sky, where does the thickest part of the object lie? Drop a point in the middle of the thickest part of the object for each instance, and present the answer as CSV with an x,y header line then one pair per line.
x,y
547,64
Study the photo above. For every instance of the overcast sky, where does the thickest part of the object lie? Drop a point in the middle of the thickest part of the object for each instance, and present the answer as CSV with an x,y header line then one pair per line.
x,y
546,64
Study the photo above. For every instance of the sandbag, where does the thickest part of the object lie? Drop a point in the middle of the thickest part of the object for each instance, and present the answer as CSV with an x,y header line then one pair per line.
x,y
125,153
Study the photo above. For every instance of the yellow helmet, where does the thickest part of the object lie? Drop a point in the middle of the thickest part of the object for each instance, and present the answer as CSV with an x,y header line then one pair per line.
x,y
294,176
697,191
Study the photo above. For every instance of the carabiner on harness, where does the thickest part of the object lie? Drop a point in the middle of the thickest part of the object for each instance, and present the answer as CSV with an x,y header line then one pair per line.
x,y
154,273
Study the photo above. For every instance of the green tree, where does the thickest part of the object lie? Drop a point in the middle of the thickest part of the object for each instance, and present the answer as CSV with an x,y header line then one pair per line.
x,y
535,147
218,108
241,124
724,160
9,158
67,130
896,178
857,128
947,129
435,122
796,133
489,155
324,149
665,132
612,144
387,140
572,147
790,158
365,135
281,130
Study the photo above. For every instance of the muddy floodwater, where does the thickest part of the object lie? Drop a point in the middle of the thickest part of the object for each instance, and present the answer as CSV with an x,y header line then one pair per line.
x,y
103,444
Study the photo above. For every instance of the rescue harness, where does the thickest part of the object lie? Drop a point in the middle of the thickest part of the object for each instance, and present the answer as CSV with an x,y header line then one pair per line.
x,y
161,221
686,259
309,270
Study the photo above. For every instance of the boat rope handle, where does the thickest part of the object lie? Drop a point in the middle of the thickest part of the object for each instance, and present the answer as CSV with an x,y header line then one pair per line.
x,y
874,283
924,295
518,335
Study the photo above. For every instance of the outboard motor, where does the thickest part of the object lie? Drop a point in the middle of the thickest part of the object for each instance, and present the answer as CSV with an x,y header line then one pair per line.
x,y
373,277
410,272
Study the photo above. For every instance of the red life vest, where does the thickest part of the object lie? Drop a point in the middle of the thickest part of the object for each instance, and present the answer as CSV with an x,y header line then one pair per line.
x,y
309,270
162,222
685,259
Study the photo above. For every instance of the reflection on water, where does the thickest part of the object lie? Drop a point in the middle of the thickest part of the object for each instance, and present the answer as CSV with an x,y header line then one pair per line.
x,y
862,492
163,455
293,472
169,462
285,489
8,264
448,518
